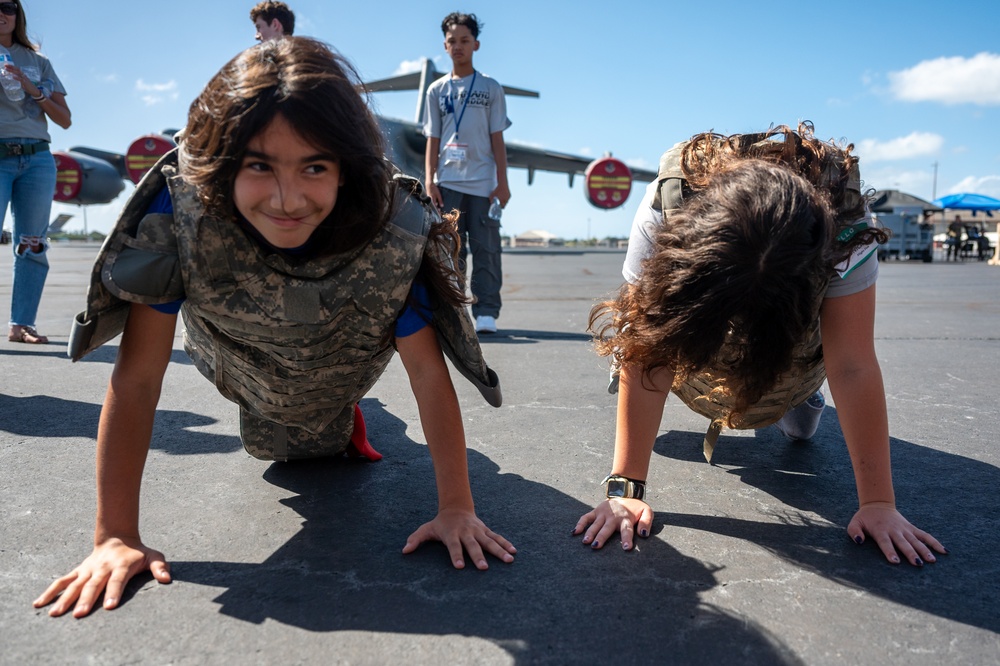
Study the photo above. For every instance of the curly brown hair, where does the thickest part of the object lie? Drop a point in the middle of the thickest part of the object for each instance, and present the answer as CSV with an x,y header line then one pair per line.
x,y
744,260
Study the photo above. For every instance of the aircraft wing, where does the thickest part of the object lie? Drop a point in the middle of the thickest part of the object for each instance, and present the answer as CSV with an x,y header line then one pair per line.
x,y
407,143
538,159
406,140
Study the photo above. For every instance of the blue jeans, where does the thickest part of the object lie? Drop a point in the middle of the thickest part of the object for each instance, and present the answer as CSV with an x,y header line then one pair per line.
x,y
27,183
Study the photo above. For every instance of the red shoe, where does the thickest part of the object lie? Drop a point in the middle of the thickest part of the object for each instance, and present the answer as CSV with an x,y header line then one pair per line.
x,y
360,446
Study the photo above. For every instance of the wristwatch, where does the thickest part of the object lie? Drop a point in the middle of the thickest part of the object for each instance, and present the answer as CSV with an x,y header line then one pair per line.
x,y
623,487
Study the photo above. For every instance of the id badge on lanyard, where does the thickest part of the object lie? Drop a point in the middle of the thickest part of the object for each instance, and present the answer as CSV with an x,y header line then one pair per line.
x,y
455,152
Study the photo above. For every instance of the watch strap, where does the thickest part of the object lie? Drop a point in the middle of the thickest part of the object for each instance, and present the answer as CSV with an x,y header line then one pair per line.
x,y
622,487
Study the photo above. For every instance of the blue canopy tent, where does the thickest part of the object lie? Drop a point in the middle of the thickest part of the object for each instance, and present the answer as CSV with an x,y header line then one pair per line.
x,y
975,203
967,201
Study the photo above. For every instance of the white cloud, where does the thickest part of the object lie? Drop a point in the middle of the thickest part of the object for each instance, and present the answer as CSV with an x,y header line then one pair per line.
x,y
918,183
155,93
954,80
914,144
988,185
408,66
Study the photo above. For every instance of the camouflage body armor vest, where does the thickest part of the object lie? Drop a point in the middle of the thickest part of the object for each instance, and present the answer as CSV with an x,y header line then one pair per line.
x,y
702,391
296,344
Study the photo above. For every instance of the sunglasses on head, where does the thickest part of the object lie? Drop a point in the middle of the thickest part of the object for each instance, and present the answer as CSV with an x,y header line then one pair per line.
x,y
8,8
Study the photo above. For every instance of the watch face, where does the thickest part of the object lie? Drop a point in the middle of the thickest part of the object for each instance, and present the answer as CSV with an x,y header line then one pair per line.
x,y
617,488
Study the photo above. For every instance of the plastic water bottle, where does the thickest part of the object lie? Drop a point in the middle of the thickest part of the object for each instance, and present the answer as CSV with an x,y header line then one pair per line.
x,y
11,85
496,210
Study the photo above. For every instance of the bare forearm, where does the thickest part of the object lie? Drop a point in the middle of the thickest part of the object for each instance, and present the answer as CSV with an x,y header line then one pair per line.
x,y
640,410
122,444
440,416
855,380
57,109
500,157
431,159
860,398
127,419
442,425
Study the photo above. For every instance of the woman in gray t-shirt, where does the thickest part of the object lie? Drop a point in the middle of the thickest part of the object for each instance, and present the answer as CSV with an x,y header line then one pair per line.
x,y
27,168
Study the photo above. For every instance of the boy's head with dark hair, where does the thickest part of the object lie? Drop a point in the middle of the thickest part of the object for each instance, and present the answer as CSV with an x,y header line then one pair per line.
x,y
461,40
273,20
458,18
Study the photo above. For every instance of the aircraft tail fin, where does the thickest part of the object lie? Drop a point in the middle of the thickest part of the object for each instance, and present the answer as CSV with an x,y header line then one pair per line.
x,y
56,225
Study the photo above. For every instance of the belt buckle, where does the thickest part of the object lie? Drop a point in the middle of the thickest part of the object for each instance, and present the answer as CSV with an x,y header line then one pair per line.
x,y
15,149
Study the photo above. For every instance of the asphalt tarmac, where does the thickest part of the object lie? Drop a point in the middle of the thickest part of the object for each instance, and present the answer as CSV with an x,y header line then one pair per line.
x,y
300,563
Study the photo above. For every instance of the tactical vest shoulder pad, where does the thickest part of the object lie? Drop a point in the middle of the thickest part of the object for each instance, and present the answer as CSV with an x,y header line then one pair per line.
x,y
411,185
413,209
146,268
669,192
137,263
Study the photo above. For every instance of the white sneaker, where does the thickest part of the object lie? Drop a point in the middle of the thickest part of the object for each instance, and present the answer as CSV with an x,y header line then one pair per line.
x,y
802,422
486,324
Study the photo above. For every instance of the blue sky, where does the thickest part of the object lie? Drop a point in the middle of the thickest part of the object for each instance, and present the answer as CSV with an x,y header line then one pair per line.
x,y
912,84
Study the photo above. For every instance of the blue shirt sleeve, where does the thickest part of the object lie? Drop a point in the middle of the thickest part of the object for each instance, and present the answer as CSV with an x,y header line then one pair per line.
x,y
164,204
412,319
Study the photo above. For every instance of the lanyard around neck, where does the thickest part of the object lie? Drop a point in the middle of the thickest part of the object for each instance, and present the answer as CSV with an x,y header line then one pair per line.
x,y
465,103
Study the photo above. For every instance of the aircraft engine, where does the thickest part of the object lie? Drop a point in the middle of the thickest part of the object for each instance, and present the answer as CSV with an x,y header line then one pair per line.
x,y
144,153
607,182
82,179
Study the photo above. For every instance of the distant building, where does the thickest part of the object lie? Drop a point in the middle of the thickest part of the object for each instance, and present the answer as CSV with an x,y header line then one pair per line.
x,y
906,218
536,239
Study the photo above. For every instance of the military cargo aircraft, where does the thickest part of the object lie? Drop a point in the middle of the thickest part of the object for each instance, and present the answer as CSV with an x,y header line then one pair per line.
x,y
92,176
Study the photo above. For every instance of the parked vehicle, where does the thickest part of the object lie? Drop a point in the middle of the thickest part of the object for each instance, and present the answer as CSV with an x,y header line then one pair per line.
x,y
903,216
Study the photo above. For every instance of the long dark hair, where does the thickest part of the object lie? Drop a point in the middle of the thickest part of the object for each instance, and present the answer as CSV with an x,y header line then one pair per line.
x,y
744,259
20,34
316,91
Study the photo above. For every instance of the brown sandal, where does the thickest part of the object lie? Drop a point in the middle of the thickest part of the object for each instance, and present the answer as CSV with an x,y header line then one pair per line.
x,y
26,334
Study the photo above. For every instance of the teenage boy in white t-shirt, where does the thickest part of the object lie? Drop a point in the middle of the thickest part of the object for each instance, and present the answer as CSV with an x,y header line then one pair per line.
x,y
466,160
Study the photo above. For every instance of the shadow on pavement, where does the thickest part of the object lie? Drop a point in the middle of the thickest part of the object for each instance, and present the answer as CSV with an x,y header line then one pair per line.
x,y
560,602
941,493
45,416
515,336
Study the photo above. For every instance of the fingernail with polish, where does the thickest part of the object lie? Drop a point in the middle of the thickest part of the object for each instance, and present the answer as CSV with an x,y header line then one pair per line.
x,y
643,533
596,544
919,562
858,539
